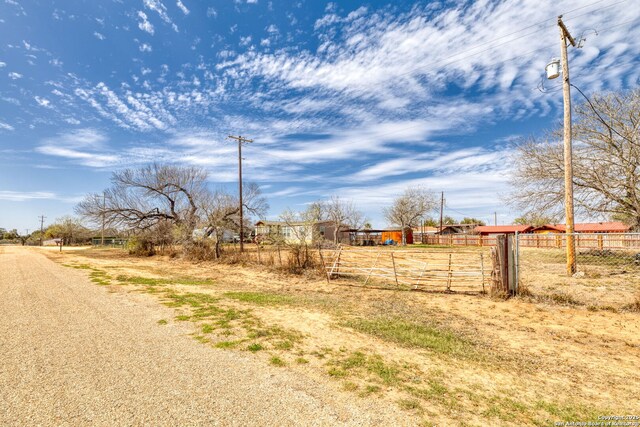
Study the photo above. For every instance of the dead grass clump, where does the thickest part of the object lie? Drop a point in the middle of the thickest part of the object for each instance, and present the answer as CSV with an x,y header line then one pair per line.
x,y
634,306
200,251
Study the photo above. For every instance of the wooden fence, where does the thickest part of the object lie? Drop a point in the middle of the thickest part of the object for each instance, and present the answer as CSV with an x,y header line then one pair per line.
x,y
419,269
550,240
456,240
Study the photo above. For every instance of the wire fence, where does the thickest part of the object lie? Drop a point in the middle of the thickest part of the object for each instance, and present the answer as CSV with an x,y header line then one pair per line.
x,y
607,267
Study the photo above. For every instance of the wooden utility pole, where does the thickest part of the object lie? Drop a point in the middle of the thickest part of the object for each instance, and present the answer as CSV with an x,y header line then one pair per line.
x,y
42,218
565,37
495,218
104,208
441,209
240,140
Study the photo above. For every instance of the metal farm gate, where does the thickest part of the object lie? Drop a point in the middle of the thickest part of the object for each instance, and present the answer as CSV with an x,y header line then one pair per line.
x,y
432,269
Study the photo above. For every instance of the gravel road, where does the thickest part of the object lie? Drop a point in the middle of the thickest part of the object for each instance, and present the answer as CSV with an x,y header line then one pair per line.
x,y
71,353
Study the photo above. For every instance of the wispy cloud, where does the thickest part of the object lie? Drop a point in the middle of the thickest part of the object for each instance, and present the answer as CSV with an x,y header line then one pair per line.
x,y
182,7
6,126
19,196
144,23
161,10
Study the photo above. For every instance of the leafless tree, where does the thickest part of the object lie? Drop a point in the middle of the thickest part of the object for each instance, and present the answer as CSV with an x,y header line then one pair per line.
x,y
301,233
221,211
606,163
150,196
408,208
343,214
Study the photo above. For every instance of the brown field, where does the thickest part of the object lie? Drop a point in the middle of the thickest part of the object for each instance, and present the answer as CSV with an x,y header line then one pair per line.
x,y
608,280
443,358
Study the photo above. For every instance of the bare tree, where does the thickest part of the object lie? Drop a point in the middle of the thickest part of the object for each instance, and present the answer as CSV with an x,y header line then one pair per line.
x,y
221,212
146,197
301,233
606,163
408,208
342,213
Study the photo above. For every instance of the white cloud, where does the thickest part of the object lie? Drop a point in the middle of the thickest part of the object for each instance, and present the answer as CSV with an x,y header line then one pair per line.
x,y
161,10
245,41
145,47
182,7
86,146
144,23
98,35
3,64
23,196
212,12
15,76
6,126
43,102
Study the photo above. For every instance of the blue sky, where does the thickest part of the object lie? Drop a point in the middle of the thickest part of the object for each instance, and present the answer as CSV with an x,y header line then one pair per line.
x,y
356,99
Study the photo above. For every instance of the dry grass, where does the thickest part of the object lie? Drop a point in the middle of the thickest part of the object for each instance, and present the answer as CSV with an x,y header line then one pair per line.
x,y
449,359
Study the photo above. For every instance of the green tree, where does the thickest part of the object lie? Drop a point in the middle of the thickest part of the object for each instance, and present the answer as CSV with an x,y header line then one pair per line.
x,y
468,220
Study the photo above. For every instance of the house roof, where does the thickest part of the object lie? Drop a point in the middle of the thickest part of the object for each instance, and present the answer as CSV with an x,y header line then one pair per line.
x,y
503,228
590,227
270,223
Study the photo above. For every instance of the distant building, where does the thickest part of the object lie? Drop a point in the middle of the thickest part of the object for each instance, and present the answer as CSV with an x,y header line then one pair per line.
x,y
458,229
396,235
585,227
493,230
296,232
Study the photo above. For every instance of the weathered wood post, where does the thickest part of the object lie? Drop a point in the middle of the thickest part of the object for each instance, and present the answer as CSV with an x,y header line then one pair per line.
x,y
395,273
504,273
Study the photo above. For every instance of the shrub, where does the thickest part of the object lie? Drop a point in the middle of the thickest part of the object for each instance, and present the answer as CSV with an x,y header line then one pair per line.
x,y
140,246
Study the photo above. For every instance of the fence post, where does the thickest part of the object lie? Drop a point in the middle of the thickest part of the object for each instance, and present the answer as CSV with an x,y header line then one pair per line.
x,y
504,265
482,269
449,275
516,267
395,274
324,266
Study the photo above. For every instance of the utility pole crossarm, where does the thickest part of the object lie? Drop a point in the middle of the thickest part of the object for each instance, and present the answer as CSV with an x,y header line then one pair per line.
x,y
566,32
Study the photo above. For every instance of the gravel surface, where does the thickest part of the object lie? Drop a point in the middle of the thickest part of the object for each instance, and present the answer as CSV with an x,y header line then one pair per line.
x,y
71,353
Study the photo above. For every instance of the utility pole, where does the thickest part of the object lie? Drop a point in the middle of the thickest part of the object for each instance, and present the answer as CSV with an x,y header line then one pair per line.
x,y
42,218
104,208
240,140
495,218
441,209
565,37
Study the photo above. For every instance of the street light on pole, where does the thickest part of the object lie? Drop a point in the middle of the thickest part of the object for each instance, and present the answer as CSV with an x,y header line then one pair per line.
x,y
553,71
